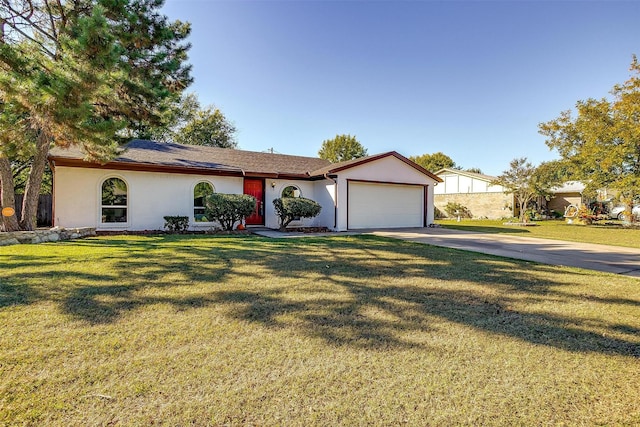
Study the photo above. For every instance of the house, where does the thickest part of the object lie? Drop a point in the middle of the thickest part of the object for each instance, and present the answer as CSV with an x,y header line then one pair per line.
x,y
569,193
474,191
150,180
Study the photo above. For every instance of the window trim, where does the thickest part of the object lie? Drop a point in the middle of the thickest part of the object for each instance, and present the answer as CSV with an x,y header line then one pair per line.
x,y
102,224
192,217
294,186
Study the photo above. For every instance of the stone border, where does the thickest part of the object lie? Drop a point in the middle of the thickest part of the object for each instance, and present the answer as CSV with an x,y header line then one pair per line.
x,y
40,236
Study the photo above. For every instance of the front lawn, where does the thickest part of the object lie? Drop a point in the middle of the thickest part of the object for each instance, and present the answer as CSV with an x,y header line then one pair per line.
x,y
610,233
347,330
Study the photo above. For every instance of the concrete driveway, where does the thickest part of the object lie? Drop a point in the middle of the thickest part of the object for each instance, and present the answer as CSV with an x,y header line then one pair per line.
x,y
611,259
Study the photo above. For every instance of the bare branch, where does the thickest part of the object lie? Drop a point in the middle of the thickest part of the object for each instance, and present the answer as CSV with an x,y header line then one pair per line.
x,y
36,25
51,21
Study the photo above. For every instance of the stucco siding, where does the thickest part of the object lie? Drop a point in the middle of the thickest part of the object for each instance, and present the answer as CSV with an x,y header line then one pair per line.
x,y
151,196
313,190
386,169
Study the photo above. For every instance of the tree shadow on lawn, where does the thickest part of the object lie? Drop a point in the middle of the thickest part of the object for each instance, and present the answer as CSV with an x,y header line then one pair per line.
x,y
361,291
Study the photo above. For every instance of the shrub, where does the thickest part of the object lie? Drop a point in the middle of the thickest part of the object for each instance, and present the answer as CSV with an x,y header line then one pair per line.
x,y
290,208
437,213
452,207
176,224
228,209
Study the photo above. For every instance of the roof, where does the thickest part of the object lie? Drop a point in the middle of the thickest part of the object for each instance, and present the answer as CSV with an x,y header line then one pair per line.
x,y
150,155
483,177
569,187
337,167
196,159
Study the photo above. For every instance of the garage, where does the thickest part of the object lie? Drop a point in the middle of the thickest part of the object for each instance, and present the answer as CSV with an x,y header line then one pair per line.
x,y
384,205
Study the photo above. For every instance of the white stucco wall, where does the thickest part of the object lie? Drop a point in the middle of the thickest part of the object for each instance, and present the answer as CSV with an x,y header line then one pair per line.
x,y
386,169
314,190
151,196
461,184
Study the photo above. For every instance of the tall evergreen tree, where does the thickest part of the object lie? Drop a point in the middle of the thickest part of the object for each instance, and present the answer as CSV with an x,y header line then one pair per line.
x,y
87,72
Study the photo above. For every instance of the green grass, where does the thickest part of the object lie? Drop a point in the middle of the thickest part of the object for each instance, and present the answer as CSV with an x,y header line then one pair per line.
x,y
351,330
612,234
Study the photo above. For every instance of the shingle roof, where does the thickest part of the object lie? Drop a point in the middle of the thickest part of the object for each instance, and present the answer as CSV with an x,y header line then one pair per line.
x,y
142,152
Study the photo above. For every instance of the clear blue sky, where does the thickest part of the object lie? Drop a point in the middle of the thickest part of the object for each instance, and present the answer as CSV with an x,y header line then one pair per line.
x,y
471,79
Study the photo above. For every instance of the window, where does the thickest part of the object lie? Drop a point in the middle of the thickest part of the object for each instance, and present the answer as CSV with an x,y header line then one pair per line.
x,y
291,191
200,192
114,201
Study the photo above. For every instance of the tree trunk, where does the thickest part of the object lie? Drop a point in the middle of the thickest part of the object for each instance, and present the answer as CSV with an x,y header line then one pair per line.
x,y
7,196
523,211
34,182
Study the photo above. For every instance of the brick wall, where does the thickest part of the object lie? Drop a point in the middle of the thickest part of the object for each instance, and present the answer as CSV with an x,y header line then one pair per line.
x,y
489,205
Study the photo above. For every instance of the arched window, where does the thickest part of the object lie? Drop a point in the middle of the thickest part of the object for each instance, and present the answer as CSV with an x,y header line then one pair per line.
x,y
291,191
200,192
114,201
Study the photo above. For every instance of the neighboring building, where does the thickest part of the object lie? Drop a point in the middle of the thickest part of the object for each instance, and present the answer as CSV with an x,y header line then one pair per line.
x,y
569,193
150,180
475,192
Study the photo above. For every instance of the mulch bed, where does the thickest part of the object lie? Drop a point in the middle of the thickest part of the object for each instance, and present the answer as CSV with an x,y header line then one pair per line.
x,y
308,230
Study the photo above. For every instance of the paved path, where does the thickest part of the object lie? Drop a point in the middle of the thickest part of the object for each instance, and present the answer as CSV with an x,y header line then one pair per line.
x,y
612,259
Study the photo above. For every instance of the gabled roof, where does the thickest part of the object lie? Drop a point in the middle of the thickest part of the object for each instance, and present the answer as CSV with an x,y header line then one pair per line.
x,y
480,176
155,156
337,167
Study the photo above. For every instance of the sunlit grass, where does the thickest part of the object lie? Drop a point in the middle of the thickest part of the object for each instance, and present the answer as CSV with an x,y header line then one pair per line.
x,y
201,330
607,233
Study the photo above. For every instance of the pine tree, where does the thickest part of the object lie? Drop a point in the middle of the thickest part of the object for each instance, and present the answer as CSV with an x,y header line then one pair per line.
x,y
87,72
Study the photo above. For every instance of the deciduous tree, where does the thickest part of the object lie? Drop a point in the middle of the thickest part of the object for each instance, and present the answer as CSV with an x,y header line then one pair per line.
x,y
208,127
601,144
186,122
341,148
434,162
519,180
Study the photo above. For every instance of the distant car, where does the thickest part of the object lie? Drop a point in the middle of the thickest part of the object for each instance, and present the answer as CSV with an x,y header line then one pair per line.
x,y
618,212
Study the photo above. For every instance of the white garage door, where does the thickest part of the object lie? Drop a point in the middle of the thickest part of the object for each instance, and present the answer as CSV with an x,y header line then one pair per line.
x,y
374,205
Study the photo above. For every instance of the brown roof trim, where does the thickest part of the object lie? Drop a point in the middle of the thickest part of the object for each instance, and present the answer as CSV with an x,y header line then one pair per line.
x,y
142,167
363,160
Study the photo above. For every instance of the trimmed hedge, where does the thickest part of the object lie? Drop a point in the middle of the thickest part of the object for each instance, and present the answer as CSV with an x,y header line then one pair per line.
x,y
176,224
228,209
291,208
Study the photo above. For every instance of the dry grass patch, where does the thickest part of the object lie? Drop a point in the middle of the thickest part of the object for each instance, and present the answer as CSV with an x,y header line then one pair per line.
x,y
201,330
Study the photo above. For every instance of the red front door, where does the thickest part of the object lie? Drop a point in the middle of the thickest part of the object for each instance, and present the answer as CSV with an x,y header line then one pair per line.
x,y
255,187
